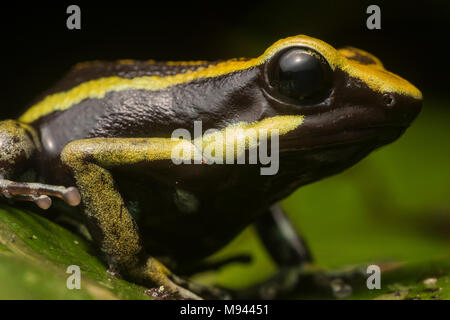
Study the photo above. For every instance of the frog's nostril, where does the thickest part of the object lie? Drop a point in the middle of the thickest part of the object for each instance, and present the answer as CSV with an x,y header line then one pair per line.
x,y
388,100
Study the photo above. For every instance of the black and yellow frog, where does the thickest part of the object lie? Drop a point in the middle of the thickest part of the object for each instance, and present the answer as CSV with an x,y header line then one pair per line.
x,y
104,132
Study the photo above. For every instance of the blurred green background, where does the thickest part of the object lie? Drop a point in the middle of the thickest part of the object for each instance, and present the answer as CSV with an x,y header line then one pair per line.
x,y
394,206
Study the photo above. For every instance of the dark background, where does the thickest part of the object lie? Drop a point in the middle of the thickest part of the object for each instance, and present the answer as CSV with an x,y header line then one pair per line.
x,y
37,48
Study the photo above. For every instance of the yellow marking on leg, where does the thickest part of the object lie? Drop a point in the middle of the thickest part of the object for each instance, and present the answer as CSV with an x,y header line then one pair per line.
x,y
111,152
244,136
99,87
102,203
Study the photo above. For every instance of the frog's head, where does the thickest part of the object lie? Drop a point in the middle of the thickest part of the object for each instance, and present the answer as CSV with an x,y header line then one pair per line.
x,y
350,103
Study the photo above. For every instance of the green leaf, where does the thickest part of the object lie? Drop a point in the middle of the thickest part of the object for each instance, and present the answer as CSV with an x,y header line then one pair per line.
x,y
419,281
35,254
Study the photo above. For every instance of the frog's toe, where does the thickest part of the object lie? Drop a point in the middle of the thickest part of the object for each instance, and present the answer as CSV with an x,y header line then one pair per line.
x,y
206,292
166,285
39,193
158,293
72,196
43,202
170,287
171,291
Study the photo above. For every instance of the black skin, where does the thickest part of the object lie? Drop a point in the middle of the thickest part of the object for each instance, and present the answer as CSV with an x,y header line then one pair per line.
x,y
340,129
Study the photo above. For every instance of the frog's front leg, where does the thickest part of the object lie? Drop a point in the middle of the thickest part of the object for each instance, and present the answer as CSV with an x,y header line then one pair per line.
x,y
39,193
109,220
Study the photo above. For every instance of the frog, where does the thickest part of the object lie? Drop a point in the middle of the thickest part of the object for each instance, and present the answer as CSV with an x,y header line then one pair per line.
x,y
98,145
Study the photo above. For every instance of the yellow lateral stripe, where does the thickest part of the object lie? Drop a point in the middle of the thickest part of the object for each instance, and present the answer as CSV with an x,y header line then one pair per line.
x,y
86,64
99,87
375,77
186,63
244,136
116,151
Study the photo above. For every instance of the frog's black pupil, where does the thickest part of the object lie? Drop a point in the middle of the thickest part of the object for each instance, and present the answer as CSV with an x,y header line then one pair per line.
x,y
299,73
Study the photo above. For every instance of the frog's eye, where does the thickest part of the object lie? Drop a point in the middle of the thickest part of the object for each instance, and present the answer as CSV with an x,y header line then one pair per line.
x,y
300,74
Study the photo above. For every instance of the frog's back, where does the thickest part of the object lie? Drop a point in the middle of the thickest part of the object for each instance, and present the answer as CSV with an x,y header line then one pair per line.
x,y
126,69
125,98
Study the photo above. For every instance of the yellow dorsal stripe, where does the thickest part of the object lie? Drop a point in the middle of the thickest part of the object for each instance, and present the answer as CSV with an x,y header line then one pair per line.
x,y
376,78
99,87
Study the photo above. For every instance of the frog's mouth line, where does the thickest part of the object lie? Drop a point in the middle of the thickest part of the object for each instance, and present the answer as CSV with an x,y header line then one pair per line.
x,y
376,136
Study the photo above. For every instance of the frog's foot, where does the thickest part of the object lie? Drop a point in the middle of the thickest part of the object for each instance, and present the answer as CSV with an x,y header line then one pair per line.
x,y
292,282
164,284
39,193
